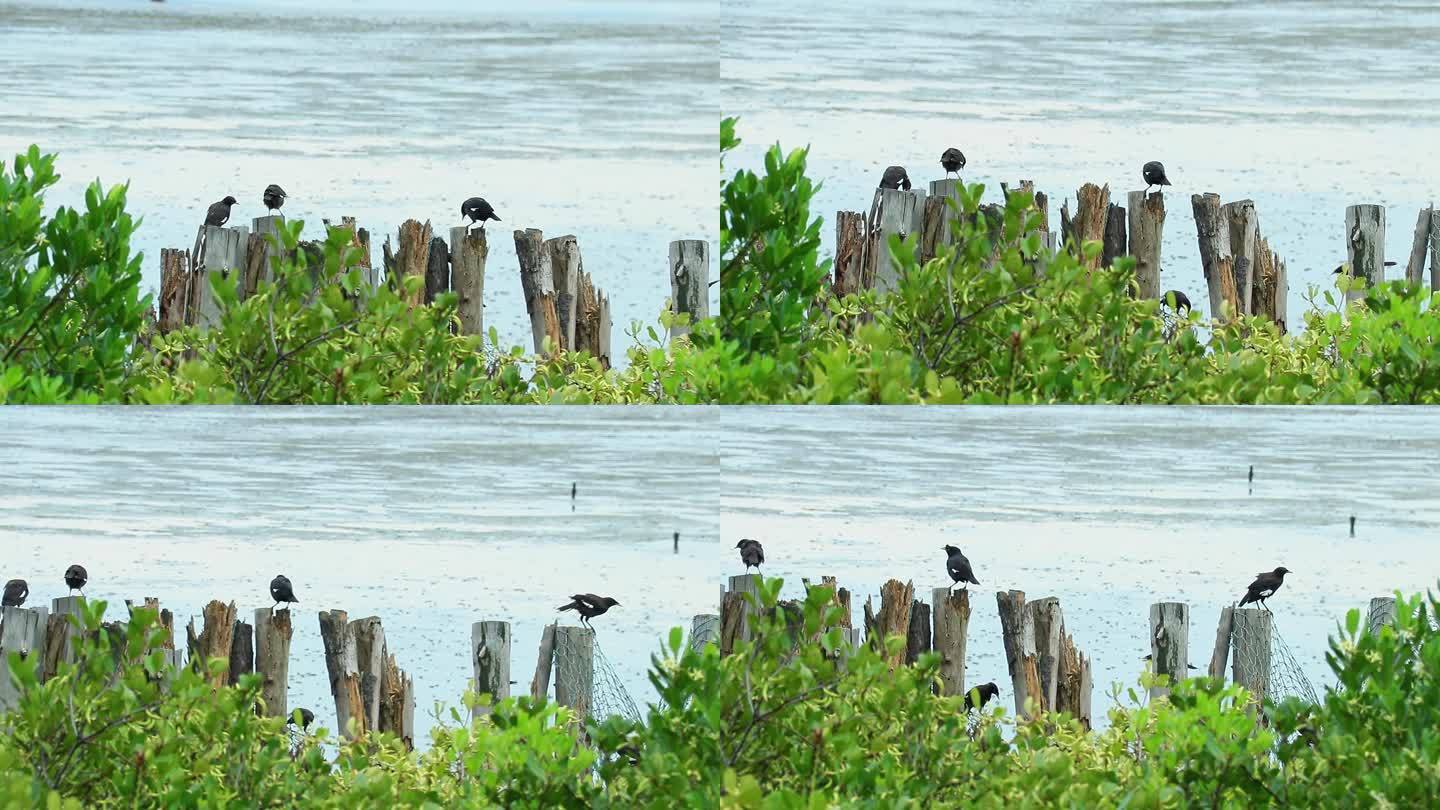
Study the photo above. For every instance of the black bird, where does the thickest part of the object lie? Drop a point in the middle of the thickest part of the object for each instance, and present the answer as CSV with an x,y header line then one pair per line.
x,y
1345,266
281,591
1154,175
1265,585
895,177
274,197
1176,300
751,553
477,210
75,578
15,592
978,696
953,160
306,718
1152,657
959,567
219,213
588,605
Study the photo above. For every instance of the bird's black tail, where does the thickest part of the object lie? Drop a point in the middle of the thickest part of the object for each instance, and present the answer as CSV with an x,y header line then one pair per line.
x,y
570,606
495,217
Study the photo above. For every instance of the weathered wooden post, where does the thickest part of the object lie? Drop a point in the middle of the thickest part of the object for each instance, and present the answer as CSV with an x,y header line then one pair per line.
x,y
1244,226
1074,682
1365,244
737,612
343,667
213,641
242,651
896,598
592,321
1213,232
467,275
540,684
1088,225
1018,634
22,632
537,281
223,252
370,662
61,634
1169,643
952,624
165,621
1381,614
410,259
1147,226
942,210
1049,627
1222,643
262,251
575,670
892,212
490,656
1114,245
918,640
689,281
1270,289
851,268
273,631
565,268
1415,268
175,282
397,702
1250,635
360,244
437,269
704,629
1435,249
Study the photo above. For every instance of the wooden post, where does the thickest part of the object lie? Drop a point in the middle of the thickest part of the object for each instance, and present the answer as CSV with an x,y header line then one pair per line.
x,y
1213,231
264,249
61,634
1222,643
242,651
397,701
1435,249
1415,268
1381,614
918,639
410,259
1018,634
1114,246
490,656
342,664
575,670
213,641
893,620
1269,291
467,275
737,613
360,244
1251,662
273,631
175,281
938,223
1365,243
565,268
704,629
437,269
896,212
1074,682
540,685
1169,643
1244,226
689,281
370,662
1088,224
537,281
22,632
852,272
952,624
1147,225
1049,624
225,252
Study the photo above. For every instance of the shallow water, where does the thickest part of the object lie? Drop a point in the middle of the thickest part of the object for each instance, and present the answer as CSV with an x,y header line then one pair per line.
x,y
429,518
1303,107
584,118
1109,509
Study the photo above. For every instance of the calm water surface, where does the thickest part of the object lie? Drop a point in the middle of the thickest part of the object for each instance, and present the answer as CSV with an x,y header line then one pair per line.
x,y
1109,509
590,118
1304,106
430,519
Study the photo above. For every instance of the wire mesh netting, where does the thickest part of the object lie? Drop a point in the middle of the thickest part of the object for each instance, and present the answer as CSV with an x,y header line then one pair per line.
x,y
1287,679
586,680
1266,664
611,697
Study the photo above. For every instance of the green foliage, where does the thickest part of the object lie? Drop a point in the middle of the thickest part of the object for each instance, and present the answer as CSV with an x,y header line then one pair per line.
x,y
990,319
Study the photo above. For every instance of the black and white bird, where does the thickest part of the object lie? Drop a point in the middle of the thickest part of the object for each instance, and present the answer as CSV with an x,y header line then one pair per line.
x,y
1176,300
895,177
1154,175
274,197
306,718
952,160
477,210
219,212
1152,658
978,696
1344,268
15,592
75,578
1265,585
588,605
282,592
751,553
959,567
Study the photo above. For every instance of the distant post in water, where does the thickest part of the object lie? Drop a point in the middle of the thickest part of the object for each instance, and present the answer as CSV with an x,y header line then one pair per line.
x,y
575,670
952,623
689,281
490,655
1250,635
273,631
1147,226
1169,643
1365,243
467,275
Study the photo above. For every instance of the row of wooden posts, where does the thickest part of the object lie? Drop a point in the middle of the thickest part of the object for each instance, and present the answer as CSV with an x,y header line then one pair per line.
x,y
370,691
562,300
1042,659
1243,274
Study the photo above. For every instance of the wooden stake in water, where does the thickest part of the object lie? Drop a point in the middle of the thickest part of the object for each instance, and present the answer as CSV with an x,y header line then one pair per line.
x,y
1115,233
537,282
1244,225
893,212
896,599
575,670
1250,635
437,269
242,651
1415,268
566,268
65,614
273,631
1147,226
1381,614
1049,623
213,642
409,260
467,275
952,624
738,611
490,656
690,281
1169,643
704,629
342,664
22,631
1017,629
370,662
1365,243
540,685
1213,231
1222,644
851,268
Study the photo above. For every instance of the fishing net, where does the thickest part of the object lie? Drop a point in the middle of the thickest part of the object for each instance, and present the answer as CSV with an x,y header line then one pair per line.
x,y
1269,666
705,630
1287,678
586,676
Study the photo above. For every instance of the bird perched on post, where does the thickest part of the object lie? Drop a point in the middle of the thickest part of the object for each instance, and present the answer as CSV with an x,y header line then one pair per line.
x,y
978,696
588,605
75,578
282,592
1344,268
1176,300
952,160
219,213
1154,174
1265,585
958,567
477,210
274,197
895,177
15,592
306,718
1152,658
751,553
